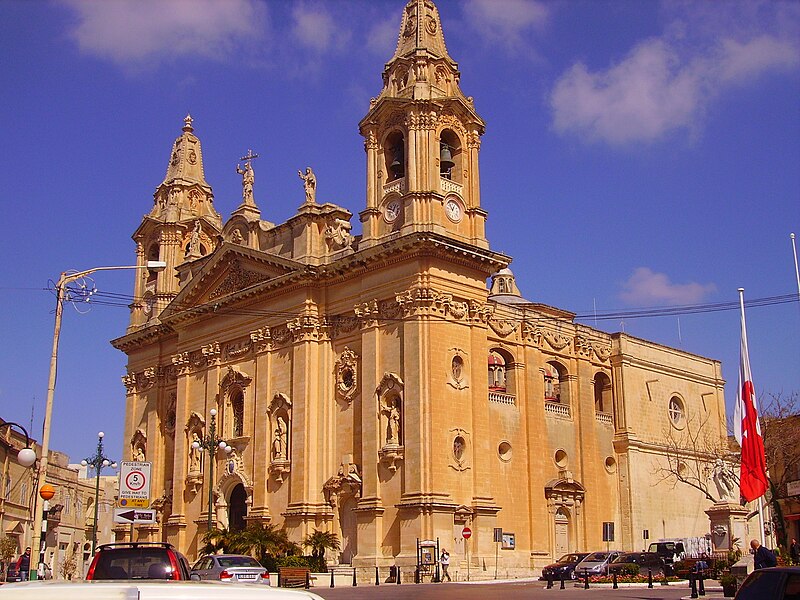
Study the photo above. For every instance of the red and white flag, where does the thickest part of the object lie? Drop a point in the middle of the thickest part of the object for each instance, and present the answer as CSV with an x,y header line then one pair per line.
x,y
753,476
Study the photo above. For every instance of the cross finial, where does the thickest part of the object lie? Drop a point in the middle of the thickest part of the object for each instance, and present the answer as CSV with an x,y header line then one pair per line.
x,y
187,123
249,156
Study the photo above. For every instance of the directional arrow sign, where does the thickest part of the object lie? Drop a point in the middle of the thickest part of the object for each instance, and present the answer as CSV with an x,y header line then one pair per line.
x,y
130,515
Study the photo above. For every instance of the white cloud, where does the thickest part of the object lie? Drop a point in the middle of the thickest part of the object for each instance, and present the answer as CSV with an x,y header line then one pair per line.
x,y
506,21
382,37
134,32
665,83
314,27
644,287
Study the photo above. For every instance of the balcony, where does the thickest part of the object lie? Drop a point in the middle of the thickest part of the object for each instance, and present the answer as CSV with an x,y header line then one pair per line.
x,y
502,398
604,418
448,185
557,409
398,185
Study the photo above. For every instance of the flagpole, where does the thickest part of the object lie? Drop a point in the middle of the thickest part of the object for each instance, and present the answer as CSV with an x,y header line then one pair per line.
x,y
761,534
796,270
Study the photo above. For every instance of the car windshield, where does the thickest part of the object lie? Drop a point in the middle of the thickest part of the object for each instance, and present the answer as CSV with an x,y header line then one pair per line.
x,y
596,557
237,561
626,558
569,558
133,563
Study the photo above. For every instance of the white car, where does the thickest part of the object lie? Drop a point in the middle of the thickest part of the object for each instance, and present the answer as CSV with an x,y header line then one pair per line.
x,y
147,590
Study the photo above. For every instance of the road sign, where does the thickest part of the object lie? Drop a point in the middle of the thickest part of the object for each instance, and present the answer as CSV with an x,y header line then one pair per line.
x,y
134,484
130,515
466,533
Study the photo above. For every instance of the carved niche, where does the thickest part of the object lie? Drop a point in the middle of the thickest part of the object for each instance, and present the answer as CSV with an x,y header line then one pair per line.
x,y
347,375
139,446
389,395
280,416
194,433
457,371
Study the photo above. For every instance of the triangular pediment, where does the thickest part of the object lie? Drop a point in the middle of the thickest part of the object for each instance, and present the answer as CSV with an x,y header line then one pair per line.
x,y
231,270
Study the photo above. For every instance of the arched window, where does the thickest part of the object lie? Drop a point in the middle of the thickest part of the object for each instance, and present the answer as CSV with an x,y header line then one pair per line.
x,y
152,255
602,393
497,372
394,156
237,413
450,156
555,383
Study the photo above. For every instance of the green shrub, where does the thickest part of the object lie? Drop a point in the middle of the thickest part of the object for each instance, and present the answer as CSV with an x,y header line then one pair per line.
x,y
293,561
630,569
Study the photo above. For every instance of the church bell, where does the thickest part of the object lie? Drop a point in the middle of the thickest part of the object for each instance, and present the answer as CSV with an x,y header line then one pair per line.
x,y
397,167
445,159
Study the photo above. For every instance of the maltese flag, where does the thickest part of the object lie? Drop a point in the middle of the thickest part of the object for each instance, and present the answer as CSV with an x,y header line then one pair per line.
x,y
753,476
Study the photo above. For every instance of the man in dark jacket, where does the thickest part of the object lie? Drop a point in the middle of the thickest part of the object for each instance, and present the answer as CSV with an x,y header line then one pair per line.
x,y
24,565
762,557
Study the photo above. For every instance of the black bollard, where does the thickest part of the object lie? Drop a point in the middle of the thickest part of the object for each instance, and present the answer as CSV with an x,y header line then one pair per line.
x,y
549,580
354,578
614,585
562,581
693,585
702,588
377,577
332,578
308,580
650,578
398,575
585,579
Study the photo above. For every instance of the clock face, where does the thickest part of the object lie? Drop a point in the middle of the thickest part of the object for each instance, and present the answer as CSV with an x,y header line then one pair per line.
x,y
392,210
453,210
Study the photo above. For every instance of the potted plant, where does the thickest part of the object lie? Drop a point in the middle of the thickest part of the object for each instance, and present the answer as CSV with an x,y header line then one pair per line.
x,y
728,583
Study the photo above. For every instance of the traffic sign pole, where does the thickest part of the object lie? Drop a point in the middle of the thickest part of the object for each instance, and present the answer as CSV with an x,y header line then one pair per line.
x,y
466,533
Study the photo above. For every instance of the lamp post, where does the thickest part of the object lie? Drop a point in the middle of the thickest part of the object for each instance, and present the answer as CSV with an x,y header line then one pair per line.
x,y
98,461
66,278
210,443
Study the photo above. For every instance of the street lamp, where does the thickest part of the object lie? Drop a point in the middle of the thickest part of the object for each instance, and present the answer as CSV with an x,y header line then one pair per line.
x,y
66,278
210,443
98,461
25,457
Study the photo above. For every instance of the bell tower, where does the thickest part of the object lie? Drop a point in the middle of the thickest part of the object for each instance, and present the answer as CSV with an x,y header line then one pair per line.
x,y
422,137
182,226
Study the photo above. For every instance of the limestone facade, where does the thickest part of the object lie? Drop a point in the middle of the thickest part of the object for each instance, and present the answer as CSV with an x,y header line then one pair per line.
x,y
372,384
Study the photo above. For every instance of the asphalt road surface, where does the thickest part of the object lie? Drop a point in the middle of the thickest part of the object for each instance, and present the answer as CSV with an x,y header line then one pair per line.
x,y
501,591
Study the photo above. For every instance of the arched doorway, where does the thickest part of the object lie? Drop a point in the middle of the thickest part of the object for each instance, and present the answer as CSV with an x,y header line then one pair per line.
x,y
562,532
237,508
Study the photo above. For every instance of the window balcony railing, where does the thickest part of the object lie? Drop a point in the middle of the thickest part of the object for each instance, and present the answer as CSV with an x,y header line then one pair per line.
x,y
448,185
398,185
502,398
557,409
606,418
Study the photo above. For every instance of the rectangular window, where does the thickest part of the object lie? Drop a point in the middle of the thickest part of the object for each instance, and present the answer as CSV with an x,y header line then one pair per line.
x,y
8,487
23,494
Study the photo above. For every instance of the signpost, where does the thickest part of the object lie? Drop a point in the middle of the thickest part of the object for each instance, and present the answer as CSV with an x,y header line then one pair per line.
x,y
134,484
134,515
466,533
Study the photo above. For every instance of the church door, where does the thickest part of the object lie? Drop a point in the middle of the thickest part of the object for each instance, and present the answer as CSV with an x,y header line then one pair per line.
x,y
237,508
562,533
347,522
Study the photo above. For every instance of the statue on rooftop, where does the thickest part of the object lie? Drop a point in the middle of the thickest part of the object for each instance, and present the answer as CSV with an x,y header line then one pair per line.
x,y
310,185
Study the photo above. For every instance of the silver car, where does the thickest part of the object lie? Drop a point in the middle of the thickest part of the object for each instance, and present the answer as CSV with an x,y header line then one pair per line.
x,y
596,563
229,567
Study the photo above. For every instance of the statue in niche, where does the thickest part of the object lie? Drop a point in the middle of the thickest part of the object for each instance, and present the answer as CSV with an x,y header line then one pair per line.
x,y
248,179
194,240
138,454
724,480
194,453
279,444
392,412
309,184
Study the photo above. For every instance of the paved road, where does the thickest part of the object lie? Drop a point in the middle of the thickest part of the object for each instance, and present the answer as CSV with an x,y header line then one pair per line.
x,y
504,591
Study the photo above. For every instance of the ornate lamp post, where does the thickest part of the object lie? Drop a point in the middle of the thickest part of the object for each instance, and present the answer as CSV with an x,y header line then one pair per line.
x,y
62,293
26,457
98,461
211,443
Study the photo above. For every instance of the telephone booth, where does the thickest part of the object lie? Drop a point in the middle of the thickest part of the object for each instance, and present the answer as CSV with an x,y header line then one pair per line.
x,y
427,560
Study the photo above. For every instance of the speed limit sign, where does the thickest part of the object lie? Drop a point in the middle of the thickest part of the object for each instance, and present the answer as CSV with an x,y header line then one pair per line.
x,y
134,484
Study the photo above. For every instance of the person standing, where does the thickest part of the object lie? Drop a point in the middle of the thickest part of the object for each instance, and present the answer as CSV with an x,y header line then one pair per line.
x,y
444,560
762,556
24,565
794,551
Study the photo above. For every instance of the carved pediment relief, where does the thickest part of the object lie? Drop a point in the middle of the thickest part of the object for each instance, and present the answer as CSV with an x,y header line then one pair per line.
x,y
237,278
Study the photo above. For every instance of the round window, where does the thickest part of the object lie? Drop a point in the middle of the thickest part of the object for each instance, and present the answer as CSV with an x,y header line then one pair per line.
x,y
459,446
561,459
504,450
677,412
611,464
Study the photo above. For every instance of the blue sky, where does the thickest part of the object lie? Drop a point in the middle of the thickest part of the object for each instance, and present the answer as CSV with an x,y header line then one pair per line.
x,y
637,154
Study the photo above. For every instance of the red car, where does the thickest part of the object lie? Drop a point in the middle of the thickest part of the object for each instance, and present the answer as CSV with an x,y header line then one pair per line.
x,y
138,560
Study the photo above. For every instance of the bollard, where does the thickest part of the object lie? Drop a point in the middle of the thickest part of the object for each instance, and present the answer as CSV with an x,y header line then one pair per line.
x,y
308,579
650,578
614,585
562,581
585,579
693,585
332,578
702,588
398,575
549,580
354,577
377,577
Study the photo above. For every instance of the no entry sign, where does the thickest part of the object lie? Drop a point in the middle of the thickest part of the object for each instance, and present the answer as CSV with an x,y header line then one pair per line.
x,y
466,533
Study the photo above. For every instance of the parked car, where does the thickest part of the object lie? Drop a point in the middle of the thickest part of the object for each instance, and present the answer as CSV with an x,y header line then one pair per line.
x,y
669,551
596,563
644,560
564,567
138,560
229,567
776,583
148,589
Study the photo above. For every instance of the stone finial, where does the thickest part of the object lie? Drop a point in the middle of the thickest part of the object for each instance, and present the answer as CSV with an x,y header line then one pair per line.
x,y
187,123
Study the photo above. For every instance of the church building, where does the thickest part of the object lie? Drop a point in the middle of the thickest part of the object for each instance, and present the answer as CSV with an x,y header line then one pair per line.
x,y
382,377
